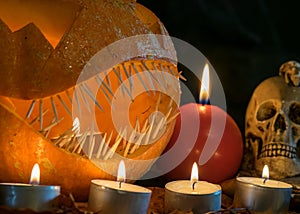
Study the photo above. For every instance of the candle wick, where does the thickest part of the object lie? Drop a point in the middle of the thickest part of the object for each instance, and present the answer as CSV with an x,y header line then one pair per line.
x,y
34,183
193,185
265,180
204,102
120,184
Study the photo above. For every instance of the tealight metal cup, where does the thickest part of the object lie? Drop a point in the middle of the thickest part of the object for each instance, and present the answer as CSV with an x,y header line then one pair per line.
x,y
198,203
105,199
36,197
261,200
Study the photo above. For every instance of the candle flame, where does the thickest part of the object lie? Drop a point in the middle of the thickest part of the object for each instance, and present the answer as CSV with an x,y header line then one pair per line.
x,y
204,90
121,172
35,175
265,172
194,174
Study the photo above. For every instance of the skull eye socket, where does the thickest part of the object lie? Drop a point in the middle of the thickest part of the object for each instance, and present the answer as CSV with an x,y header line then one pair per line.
x,y
294,113
266,111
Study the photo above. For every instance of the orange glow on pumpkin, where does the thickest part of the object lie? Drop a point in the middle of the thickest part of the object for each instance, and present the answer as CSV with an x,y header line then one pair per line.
x,y
53,18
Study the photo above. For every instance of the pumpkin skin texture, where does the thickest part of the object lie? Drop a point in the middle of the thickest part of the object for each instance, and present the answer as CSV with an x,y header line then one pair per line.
x,y
38,94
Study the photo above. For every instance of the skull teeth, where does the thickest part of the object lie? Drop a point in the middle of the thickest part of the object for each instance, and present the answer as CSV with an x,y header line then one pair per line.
x,y
278,150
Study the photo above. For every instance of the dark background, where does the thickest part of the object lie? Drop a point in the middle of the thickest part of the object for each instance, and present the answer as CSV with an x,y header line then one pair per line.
x,y
245,41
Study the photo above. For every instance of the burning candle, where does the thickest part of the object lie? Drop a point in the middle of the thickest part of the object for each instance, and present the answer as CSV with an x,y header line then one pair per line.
x,y
262,195
208,134
32,196
192,195
117,196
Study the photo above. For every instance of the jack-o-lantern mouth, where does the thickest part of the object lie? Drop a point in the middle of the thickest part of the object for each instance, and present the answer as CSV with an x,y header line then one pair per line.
x,y
66,120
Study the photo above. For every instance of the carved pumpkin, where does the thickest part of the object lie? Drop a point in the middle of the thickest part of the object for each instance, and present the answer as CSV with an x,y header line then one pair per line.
x,y
46,102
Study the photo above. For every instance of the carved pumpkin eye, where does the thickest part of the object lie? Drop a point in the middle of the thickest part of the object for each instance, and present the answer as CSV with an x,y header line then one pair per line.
x,y
294,113
53,23
266,111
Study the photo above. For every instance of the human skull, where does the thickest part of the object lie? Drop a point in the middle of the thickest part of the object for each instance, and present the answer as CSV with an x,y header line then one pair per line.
x,y
272,129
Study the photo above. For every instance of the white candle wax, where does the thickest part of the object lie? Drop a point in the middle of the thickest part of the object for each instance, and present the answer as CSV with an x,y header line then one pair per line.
x,y
180,195
267,184
114,197
185,187
126,187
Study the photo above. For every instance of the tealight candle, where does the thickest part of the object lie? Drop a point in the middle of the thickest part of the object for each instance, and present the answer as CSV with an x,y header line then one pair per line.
x,y
32,196
117,196
193,195
262,195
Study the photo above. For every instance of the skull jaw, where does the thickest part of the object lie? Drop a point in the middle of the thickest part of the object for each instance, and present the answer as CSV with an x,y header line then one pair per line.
x,y
280,167
279,156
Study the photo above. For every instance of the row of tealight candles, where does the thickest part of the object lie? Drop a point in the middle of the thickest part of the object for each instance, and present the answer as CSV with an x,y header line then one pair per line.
x,y
260,195
199,196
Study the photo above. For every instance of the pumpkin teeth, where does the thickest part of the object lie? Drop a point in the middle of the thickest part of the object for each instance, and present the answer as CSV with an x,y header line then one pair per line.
x,y
30,109
123,86
92,144
114,147
75,143
132,147
86,103
69,96
148,77
54,108
41,114
181,76
158,128
108,83
77,101
64,104
106,145
89,92
37,118
99,81
160,79
128,75
101,145
136,139
140,78
107,86
91,141
172,118
170,69
50,126
152,75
